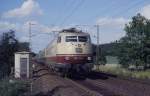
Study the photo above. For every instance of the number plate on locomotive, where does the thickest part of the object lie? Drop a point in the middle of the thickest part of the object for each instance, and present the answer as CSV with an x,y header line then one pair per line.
x,y
79,50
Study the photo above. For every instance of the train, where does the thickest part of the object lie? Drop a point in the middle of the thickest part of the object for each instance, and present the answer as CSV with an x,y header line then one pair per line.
x,y
70,52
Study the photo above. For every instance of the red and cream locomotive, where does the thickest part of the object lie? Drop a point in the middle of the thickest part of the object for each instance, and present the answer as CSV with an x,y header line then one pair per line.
x,y
70,52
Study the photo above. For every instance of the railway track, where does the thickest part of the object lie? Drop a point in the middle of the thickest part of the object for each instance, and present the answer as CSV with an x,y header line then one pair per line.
x,y
96,88
87,90
125,86
102,84
42,72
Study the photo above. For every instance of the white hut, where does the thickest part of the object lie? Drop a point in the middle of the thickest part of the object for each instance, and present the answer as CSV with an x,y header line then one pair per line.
x,y
23,66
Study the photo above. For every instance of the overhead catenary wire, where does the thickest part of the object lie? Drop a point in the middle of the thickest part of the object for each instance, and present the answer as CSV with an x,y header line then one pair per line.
x,y
115,8
65,6
72,12
132,5
106,9
127,9
64,11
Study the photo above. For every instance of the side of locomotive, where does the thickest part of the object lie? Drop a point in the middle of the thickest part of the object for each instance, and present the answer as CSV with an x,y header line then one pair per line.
x,y
70,52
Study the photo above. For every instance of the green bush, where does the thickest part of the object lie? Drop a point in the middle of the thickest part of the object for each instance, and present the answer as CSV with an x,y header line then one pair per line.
x,y
12,88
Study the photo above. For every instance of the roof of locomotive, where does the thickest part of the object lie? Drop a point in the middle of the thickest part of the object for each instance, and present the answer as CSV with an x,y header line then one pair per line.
x,y
72,30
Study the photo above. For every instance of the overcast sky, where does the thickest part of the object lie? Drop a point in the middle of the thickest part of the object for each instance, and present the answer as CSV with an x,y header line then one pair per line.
x,y
52,15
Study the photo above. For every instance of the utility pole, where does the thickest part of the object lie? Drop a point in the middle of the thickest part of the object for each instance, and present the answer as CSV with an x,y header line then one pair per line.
x,y
30,35
30,48
97,47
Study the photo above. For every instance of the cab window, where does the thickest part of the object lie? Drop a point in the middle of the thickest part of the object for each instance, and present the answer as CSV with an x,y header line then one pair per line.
x,y
83,38
71,38
59,39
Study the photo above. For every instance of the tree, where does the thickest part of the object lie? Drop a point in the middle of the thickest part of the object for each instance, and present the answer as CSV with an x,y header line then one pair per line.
x,y
8,45
134,47
23,46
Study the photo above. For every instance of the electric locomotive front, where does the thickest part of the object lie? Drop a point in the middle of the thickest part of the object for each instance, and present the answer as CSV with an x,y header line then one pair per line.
x,y
74,50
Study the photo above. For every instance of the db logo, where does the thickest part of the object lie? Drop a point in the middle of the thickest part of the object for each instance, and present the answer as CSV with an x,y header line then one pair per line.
x,y
79,45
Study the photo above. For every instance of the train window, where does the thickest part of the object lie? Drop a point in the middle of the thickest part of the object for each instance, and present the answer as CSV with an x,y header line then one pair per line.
x,y
83,38
71,38
59,39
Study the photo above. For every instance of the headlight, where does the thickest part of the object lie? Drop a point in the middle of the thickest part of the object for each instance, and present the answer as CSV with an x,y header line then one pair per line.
x,y
79,50
89,58
67,58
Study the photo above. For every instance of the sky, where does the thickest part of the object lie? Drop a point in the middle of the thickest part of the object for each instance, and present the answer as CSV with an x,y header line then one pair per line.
x,y
49,16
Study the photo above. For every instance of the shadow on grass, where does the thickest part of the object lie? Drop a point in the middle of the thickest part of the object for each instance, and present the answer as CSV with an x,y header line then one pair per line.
x,y
100,75
93,75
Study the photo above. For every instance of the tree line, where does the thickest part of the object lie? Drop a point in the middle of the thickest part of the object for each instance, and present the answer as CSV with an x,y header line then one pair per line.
x,y
134,47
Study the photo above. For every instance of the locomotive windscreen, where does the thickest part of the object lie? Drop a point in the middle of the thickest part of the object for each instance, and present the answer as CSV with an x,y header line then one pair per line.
x,y
71,38
77,38
83,38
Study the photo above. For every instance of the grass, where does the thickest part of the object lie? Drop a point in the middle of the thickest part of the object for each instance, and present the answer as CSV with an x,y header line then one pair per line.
x,y
124,72
12,87
142,74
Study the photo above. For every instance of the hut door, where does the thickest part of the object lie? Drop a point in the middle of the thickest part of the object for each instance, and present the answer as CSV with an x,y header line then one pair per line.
x,y
23,67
